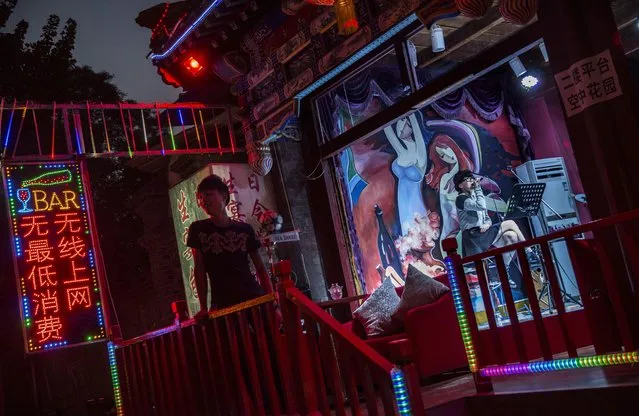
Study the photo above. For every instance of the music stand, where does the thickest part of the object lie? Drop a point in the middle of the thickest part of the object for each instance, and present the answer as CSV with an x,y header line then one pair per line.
x,y
525,201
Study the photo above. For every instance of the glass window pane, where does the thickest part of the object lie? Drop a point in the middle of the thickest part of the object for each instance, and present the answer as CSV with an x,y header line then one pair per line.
x,y
360,96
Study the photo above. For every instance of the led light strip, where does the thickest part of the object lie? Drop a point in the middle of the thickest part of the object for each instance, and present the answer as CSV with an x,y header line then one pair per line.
x,y
115,379
565,364
357,56
461,315
187,32
401,392
64,176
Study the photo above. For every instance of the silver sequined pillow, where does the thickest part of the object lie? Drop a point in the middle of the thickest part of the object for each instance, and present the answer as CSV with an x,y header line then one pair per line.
x,y
419,290
375,314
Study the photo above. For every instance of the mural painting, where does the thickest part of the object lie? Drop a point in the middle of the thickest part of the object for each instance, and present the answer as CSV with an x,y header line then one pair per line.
x,y
401,191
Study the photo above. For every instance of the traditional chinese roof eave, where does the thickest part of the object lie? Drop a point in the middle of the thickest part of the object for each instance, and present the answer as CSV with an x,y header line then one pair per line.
x,y
226,17
219,33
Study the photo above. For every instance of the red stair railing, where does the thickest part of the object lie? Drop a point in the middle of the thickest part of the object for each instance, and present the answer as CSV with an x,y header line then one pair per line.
x,y
239,362
225,366
340,373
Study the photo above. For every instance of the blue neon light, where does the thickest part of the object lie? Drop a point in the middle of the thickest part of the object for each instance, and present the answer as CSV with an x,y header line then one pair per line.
x,y
357,56
187,31
77,140
6,139
55,344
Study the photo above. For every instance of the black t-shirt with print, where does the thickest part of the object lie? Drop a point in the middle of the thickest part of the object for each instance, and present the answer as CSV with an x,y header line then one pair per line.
x,y
225,252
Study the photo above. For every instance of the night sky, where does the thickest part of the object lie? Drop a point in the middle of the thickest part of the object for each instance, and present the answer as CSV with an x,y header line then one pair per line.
x,y
108,39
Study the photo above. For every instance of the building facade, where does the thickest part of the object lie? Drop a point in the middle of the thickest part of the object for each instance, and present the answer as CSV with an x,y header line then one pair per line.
x,y
367,128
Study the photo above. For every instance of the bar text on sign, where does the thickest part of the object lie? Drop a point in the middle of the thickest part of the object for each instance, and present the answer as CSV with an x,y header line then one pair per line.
x,y
54,256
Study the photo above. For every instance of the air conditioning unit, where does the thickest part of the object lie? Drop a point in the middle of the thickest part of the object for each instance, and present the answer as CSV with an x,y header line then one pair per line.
x,y
559,210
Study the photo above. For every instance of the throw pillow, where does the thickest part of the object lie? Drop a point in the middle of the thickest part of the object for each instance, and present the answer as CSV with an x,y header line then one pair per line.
x,y
419,290
375,314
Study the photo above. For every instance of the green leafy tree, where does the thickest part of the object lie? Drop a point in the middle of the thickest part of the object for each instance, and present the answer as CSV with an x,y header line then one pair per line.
x,y
6,8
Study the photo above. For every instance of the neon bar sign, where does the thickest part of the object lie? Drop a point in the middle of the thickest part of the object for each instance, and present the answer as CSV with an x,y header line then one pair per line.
x,y
54,256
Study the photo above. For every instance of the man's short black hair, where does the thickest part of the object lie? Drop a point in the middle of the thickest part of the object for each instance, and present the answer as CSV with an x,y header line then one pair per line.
x,y
460,177
214,183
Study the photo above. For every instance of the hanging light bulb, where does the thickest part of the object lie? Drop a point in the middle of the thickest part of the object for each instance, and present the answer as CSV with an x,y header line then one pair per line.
x,y
437,38
529,82
346,17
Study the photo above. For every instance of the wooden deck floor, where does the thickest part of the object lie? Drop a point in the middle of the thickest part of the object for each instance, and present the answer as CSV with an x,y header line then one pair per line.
x,y
588,378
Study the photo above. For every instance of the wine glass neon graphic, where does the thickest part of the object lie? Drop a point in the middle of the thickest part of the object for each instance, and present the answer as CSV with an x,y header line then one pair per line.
x,y
24,195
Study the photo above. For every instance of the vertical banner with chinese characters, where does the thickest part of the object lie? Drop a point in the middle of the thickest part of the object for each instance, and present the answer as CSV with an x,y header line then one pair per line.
x,y
588,82
54,255
251,195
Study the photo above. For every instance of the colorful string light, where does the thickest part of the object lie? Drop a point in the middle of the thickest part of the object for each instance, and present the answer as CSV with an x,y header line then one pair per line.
x,y
115,379
22,117
197,131
157,116
167,6
186,33
57,177
462,319
401,392
126,134
37,131
1,112
53,118
90,128
186,140
106,132
168,117
146,139
6,139
78,133
564,364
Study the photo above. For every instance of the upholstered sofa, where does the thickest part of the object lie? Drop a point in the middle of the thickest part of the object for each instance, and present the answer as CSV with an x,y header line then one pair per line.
x,y
430,337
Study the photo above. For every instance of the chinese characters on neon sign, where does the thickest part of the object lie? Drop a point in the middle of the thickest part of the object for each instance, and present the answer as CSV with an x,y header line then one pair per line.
x,y
54,256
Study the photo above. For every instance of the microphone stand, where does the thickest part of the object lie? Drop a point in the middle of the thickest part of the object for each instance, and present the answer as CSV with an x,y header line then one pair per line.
x,y
544,225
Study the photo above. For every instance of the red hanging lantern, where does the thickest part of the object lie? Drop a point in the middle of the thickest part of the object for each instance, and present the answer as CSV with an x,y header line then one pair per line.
x,y
321,2
473,8
518,12
346,17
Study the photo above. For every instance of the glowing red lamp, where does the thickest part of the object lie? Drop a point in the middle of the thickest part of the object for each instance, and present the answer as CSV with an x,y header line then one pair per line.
x,y
193,65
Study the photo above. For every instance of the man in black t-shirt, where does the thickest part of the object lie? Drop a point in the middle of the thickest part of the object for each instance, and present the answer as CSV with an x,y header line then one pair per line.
x,y
221,248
